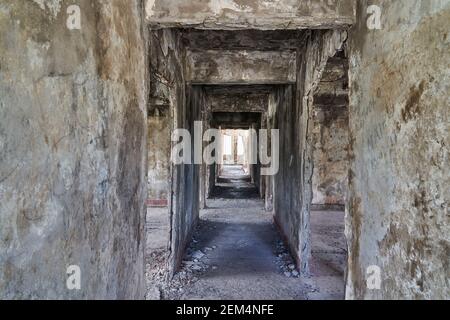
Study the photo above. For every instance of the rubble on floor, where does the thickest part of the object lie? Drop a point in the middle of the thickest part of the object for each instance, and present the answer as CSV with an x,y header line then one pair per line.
x,y
284,261
195,263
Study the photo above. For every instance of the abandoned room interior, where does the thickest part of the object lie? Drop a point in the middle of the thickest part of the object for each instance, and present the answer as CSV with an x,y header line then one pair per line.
x,y
327,123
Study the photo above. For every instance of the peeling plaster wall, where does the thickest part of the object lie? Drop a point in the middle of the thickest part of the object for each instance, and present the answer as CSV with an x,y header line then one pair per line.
x,y
72,149
251,14
399,123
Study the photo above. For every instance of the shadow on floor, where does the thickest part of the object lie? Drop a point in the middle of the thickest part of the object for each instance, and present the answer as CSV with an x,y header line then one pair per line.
x,y
233,183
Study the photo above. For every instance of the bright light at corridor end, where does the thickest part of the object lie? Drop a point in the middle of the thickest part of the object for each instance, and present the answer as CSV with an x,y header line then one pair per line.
x,y
188,150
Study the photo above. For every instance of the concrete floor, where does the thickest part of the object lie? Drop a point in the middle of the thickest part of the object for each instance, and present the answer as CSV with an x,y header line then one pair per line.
x,y
329,255
242,255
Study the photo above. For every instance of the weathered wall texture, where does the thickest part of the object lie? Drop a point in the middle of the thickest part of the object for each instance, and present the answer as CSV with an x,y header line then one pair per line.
x,y
252,14
293,183
232,102
181,103
186,206
72,149
330,136
239,67
167,100
159,131
399,121
284,115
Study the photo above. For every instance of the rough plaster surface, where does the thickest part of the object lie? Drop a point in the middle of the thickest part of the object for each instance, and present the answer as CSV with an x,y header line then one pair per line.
x,y
170,92
321,47
159,145
293,183
240,66
250,14
262,40
231,102
330,135
72,157
399,123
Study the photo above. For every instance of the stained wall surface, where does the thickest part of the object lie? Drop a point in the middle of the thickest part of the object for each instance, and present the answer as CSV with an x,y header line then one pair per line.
x,y
178,106
72,149
330,136
251,14
399,122
291,111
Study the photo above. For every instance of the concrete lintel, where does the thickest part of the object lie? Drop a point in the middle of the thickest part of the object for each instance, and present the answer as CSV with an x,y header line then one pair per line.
x,y
241,67
238,103
250,14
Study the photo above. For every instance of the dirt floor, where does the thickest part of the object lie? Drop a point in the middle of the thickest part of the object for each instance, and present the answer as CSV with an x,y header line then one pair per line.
x,y
238,254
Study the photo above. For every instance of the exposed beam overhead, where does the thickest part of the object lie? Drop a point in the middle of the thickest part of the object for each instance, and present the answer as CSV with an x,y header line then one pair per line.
x,y
250,14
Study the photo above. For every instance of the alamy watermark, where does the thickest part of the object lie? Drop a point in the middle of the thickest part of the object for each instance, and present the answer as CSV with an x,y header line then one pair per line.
x,y
73,21
188,150
373,280
374,17
73,281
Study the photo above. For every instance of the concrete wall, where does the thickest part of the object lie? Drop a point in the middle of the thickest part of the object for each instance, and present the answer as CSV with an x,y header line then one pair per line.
x,y
287,181
72,149
251,14
186,184
294,118
330,136
169,91
399,124
159,145
330,158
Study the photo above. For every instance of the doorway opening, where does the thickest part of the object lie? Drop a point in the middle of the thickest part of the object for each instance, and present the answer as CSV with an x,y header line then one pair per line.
x,y
330,140
236,229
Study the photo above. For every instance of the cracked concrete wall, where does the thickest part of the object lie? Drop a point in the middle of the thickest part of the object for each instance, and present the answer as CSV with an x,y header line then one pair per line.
x,y
240,66
330,136
72,149
250,14
399,123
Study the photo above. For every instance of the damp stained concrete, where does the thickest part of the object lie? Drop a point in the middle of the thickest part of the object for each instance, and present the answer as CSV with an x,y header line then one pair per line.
x,y
237,252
